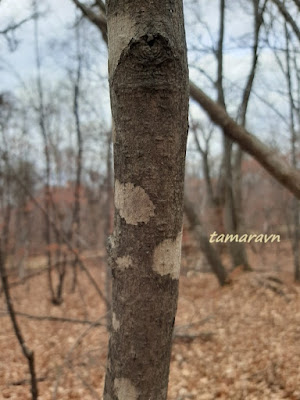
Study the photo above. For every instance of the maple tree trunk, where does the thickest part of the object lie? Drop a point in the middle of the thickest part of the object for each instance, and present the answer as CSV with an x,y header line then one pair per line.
x,y
149,97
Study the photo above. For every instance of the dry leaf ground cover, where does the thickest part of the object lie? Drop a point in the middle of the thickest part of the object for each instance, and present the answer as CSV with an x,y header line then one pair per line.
x,y
240,342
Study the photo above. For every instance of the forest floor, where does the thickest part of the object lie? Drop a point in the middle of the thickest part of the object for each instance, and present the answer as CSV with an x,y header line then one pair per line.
x,y
239,342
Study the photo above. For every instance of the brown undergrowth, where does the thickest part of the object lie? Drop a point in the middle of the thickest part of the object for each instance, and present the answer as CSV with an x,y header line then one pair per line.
x,y
239,342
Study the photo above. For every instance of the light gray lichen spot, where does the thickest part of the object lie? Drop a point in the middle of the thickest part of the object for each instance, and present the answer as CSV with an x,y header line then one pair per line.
x,y
167,257
125,389
107,397
124,262
133,203
115,322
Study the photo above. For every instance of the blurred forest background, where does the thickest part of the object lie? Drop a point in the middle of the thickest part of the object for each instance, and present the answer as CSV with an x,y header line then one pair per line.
x,y
237,330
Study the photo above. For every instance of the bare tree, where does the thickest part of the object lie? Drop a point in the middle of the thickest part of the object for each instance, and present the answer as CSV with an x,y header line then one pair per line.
x,y
43,131
149,98
237,250
258,11
75,225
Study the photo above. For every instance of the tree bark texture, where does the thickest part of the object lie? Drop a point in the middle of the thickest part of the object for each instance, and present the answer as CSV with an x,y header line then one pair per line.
x,y
149,97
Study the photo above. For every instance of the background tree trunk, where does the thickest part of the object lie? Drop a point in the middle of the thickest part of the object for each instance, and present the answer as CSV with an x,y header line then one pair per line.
x,y
149,97
208,249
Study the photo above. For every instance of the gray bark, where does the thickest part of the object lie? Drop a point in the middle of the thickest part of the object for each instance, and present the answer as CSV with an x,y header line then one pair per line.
x,y
149,96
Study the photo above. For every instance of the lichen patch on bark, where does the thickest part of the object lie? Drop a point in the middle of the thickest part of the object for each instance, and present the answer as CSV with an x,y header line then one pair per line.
x,y
125,389
124,262
115,322
133,203
167,257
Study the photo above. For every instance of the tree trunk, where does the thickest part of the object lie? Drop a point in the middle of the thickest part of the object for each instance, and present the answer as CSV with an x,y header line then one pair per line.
x,y
149,97
237,250
208,249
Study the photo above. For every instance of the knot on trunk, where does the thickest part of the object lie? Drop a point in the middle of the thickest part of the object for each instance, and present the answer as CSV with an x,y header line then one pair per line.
x,y
150,48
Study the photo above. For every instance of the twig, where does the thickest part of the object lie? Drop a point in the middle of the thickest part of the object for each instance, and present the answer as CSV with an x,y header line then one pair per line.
x,y
41,271
193,324
88,386
26,381
56,319
189,337
13,26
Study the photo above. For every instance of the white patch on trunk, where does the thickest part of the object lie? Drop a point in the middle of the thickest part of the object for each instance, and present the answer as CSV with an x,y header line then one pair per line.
x,y
125,389
120,30
167,257
124,262
133,203
115,322
108,364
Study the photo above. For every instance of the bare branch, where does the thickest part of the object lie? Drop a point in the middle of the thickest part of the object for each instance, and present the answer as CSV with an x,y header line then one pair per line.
x,y
56,319
68,358
13,26
280,170
101,5
96,19
287,16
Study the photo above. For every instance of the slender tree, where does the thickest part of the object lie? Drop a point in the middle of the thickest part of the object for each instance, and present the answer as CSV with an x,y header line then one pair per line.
x,y
148,78
208,249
